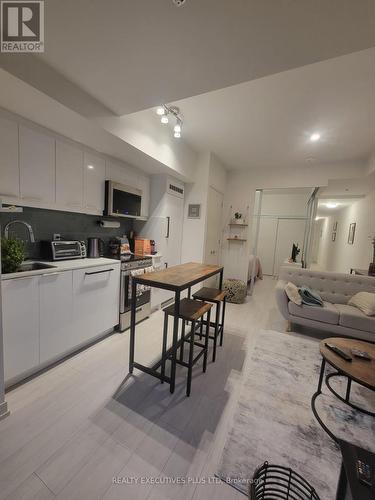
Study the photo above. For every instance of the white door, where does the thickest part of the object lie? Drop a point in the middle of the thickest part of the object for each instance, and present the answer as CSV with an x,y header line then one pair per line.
x,y
20,325
289,231
9,170
69,176
267,243
96,298
213,232
56,314
94,184
37,166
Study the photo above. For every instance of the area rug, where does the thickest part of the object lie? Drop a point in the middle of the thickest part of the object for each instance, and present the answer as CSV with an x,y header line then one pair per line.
x,y
273,420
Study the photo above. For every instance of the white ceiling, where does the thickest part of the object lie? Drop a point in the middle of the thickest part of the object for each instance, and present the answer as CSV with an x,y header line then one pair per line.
x,y
128,55
268,122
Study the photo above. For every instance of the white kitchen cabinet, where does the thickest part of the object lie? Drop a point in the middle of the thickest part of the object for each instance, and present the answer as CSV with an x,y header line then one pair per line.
x,y
9,168
20,301
94,184
95,300
37,166
57,334
69,176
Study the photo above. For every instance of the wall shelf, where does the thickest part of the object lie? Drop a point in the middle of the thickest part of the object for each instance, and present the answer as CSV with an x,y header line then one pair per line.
x,y
239,225
236,239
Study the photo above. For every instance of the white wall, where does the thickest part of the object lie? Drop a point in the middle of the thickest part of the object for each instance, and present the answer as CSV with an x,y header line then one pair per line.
x,y
194,230
339,256
240,197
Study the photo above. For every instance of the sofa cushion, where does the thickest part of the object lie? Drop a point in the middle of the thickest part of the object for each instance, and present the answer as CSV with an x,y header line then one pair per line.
x,y
326,314
292,292
365,302
351,317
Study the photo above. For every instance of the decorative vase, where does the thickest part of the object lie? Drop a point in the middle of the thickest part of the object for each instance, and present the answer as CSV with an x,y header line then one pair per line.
x,y
371,269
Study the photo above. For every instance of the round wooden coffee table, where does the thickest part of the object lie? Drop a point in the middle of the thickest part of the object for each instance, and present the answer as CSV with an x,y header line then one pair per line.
x,y
357,370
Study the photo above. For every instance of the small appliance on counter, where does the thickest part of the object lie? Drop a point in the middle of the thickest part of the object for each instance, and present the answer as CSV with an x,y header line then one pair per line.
x,y
62,249
119,247
142,246
95,248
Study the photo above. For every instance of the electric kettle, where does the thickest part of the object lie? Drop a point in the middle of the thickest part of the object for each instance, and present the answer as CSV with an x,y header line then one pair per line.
x,y
95,248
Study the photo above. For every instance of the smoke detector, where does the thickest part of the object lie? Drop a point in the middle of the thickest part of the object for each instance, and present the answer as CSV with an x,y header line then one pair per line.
x,y
179,3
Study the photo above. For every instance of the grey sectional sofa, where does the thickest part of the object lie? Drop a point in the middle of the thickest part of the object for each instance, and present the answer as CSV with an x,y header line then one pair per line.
x,y
335,289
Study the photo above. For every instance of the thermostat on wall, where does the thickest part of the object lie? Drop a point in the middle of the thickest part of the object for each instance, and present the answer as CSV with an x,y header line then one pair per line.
x,y
194,211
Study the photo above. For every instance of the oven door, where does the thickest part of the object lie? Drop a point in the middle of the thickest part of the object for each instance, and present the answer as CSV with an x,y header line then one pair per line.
x,y
143,293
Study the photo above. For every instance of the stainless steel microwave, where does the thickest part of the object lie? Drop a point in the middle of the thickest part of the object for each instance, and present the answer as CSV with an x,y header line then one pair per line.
x,y
122,201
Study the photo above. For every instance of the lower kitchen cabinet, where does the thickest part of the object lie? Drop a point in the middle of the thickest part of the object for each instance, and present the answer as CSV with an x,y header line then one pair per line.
x,y
95,300
20,301
46,316
57,334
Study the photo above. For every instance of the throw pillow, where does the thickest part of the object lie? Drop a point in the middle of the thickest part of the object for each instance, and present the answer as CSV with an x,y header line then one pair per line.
x,y
365,301
292,292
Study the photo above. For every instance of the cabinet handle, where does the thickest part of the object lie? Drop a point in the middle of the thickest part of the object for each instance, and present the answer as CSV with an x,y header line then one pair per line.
x,y
168,224
50,274
99,272
9,195
31,198
23,278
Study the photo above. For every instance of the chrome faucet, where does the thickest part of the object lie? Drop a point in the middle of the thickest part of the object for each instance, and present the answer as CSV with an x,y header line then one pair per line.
x,y
29,228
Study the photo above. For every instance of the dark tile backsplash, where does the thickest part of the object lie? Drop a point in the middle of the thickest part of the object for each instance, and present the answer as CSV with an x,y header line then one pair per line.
x,y
70,225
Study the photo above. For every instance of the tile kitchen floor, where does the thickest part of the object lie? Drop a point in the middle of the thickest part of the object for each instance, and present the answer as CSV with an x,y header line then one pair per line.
x,y
87,430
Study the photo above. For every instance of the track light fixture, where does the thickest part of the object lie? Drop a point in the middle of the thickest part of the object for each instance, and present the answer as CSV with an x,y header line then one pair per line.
x,y
165,112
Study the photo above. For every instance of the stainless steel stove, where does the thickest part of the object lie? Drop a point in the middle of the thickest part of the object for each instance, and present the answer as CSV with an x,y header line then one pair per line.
x,y
130,265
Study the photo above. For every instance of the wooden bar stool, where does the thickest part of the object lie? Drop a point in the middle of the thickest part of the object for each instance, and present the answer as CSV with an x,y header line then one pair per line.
x,y
218,297
192,311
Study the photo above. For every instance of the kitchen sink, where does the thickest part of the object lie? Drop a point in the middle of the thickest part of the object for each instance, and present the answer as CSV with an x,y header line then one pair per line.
x,y
33,266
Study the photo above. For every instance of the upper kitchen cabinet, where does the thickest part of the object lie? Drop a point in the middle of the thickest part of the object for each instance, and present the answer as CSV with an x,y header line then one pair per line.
x,y
9,171
37,166
93,183
69,176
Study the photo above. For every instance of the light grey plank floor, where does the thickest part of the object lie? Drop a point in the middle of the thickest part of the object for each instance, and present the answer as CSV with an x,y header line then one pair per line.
x,y
86,430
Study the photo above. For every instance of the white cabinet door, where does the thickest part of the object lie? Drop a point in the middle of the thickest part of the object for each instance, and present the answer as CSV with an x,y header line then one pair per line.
x,y
20,301
94,183
57,335
9,169
95,300
37,166
69,176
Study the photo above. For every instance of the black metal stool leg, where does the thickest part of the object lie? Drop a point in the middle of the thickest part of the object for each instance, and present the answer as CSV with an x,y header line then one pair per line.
x,y
206,341
222,321
183,341
191,354
165,336
216,331
201,329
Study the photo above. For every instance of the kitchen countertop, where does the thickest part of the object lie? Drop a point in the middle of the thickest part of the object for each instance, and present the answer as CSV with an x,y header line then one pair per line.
x,y
63,265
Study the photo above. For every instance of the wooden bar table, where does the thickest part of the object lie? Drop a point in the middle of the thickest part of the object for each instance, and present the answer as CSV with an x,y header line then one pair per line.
x,y
177,279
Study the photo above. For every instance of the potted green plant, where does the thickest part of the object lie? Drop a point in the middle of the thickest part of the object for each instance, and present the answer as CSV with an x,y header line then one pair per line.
x,y
12,255
238,218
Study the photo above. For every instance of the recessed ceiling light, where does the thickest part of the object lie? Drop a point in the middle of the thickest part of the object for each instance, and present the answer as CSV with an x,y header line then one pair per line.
x,y
332,205
315,137
177,135
160,111
177,128
91,167
164,119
